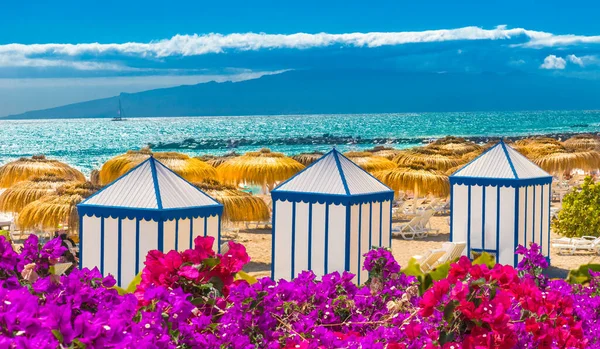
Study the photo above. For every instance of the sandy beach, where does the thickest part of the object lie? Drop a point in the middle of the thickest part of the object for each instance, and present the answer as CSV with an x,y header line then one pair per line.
x,y
258,245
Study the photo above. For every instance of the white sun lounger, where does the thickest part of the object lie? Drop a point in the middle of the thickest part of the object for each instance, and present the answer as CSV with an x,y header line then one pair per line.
x,y
417,227
430,260
410,230
453,251
449,252
426,224
569,246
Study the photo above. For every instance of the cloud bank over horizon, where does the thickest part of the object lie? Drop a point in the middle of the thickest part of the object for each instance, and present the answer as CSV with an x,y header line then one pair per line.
x,y
89,56
194,58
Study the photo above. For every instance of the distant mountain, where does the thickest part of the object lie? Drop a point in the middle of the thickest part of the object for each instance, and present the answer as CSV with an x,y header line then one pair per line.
x,y
364,91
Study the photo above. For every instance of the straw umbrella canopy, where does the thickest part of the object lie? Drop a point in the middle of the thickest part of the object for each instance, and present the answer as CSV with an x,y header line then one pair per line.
x,y
238,206
383,151
583,142
538,146
428,157
95,177
216,160
264,168
19,195
192,169
418,178
26,168
565,161
60,207
369,162
307,158
454,146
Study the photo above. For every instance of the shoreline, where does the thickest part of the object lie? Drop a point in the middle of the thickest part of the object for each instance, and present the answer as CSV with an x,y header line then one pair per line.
x,y
333,140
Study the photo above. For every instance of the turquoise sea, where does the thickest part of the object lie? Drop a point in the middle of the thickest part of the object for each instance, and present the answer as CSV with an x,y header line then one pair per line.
x,y
87,143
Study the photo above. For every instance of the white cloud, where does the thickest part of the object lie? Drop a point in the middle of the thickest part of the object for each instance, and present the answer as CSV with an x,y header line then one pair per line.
x,y
553,62
576,60
551,40
190,45
68,55
583,60
17,60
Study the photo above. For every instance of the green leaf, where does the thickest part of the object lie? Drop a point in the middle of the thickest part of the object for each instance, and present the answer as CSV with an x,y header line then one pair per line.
x,y
479,282
211,262
57,335
485,258
449,311
242,275
446,337
440,272
134,283
120,290
197,301
581,275
413,268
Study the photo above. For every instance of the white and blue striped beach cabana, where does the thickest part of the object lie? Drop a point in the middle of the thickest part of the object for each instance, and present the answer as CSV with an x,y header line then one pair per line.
x,y
148,208
327,216
498,201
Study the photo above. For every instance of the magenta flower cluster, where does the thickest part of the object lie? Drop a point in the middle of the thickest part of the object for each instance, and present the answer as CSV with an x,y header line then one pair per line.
x,y
192,299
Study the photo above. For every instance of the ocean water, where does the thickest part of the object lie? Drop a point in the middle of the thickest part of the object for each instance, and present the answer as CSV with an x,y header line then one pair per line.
x,y
87,143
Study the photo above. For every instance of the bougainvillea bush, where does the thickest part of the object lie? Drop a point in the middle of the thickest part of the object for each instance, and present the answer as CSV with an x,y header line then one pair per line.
x,y
193,299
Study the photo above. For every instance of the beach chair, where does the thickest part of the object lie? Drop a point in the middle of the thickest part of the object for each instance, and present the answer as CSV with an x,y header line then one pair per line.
x,y
453,251
442,207
410,230
398,211
431,205
60,268
430,260
74,249
569,246
426,224
416,203
258,225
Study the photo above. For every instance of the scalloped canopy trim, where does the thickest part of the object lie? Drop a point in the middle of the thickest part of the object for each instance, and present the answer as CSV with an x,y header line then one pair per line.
x,y
149,214
500,182
332,199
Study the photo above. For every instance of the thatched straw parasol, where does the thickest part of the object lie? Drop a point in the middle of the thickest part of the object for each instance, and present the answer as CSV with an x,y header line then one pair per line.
x,y
308,158
189,168
50,211
369,162
454,146
427,156
566,161
215,160
19,195
538,146
383,151
263,168
95,177
238,206
36,166
583,142
417,178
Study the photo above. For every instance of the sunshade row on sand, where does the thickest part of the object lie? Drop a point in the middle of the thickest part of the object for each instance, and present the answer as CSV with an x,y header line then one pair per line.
x,y
44,192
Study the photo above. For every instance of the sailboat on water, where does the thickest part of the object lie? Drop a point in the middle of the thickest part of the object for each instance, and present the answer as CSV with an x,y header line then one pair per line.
x,y
119,116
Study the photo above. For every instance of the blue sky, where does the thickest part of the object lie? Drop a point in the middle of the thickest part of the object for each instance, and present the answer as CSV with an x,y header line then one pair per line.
x,y
106,47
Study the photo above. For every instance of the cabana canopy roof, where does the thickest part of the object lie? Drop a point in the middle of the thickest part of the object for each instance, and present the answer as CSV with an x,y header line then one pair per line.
x,y
150,191
333,177
501,164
